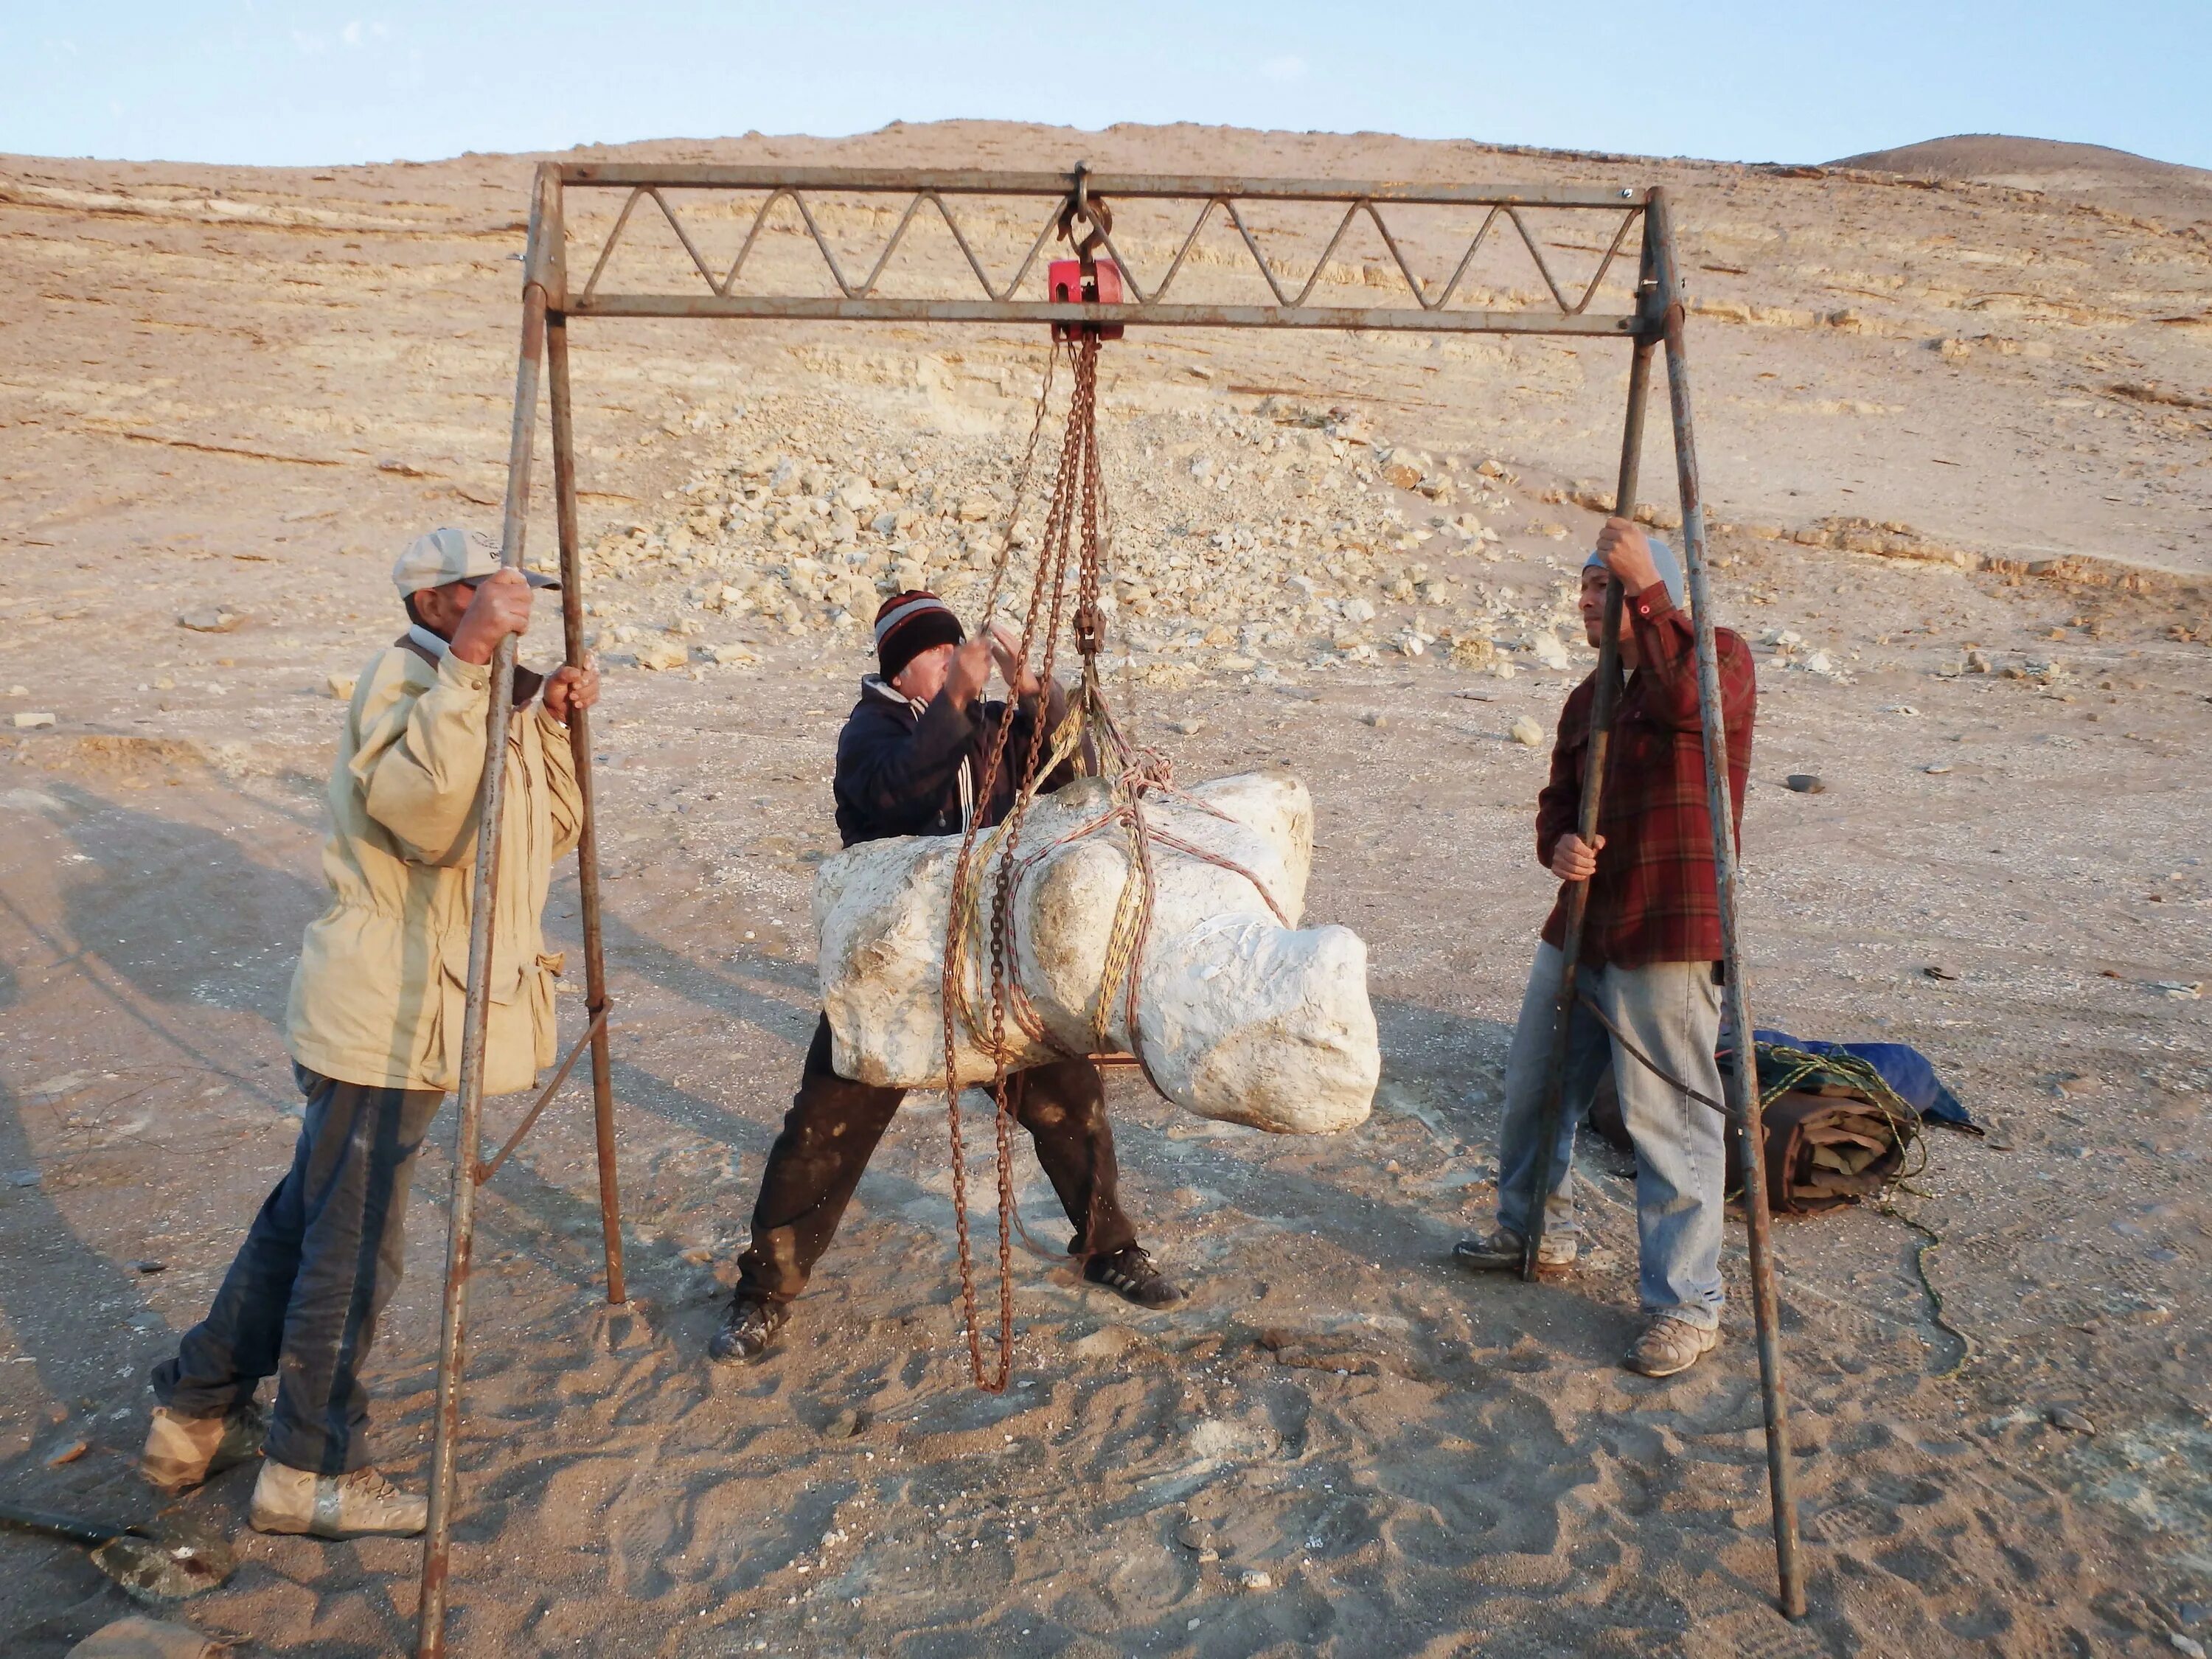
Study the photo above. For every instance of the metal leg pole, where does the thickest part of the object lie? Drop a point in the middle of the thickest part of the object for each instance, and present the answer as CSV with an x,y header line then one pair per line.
x,y
460,1236
1743,1083
1603,702
587,845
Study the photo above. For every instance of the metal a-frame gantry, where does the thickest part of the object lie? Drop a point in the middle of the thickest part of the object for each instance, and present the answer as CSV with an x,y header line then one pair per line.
x,y
548,305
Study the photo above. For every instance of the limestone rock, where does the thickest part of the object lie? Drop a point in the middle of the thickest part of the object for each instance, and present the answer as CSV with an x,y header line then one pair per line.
x,y
1472,651
141,1637
1252,545
1242,1019
1528,734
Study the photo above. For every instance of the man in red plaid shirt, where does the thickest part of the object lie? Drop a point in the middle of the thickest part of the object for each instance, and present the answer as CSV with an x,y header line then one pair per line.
x,y
1650,959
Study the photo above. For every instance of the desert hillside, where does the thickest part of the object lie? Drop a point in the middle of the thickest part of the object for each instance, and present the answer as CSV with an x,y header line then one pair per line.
x,y
2111,178
1954,403
2014,370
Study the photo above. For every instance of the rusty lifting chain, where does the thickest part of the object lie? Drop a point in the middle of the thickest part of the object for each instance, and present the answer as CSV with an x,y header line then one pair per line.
x,y
1072,532
1077,534
1070,528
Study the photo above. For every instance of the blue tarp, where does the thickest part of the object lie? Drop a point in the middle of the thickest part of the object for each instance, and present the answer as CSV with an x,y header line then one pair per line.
x,y
1903,1066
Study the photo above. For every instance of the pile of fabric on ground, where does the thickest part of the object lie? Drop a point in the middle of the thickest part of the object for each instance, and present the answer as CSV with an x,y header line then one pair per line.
x,y
1841,1119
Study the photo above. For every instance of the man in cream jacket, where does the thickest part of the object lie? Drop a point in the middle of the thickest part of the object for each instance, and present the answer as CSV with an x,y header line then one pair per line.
x,y
375,1031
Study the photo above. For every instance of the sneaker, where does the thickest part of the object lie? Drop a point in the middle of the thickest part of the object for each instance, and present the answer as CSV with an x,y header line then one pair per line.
x,y
363,1504
1669,1345
182,1452
1500,1251
1130,1274
748,1329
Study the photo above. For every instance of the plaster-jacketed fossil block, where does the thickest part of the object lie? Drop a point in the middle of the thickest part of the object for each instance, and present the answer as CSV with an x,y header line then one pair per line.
x,y
1243,1019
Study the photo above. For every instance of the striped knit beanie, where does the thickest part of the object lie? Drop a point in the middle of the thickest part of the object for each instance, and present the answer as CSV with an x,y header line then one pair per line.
x,y
908,624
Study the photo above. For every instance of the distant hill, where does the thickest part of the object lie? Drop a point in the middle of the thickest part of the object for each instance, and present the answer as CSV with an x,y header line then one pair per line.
x,y
2116,177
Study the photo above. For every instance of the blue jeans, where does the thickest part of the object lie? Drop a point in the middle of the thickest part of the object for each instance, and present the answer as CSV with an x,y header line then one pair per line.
x,y
302,1300
1673,1012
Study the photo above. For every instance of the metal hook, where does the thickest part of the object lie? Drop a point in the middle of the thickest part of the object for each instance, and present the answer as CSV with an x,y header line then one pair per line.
x,y
1098,219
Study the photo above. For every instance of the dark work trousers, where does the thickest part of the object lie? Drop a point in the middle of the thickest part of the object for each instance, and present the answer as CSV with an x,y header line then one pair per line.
x,y
302,1300
832,1129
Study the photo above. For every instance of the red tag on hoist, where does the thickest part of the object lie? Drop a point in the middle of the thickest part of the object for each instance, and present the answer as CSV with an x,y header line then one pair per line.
x,y
1065,285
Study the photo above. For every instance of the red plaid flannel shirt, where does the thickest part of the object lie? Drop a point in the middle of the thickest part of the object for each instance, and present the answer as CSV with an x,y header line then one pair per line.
x,y
1653,897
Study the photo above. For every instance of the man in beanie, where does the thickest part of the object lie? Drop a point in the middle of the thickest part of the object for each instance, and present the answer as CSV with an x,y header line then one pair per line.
x,y
1650,958
374,1029
910,763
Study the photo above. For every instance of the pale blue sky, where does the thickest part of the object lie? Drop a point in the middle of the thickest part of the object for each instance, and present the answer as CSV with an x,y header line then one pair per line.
x,y
253,81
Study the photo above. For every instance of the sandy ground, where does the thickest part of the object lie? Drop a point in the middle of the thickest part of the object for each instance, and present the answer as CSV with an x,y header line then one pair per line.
x,y
249,388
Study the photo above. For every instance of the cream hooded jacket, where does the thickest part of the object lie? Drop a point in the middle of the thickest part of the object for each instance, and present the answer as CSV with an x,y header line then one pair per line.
x,y
379,992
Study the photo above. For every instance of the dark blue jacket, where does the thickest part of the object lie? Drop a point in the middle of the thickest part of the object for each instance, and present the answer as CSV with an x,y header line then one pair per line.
x,y
898,772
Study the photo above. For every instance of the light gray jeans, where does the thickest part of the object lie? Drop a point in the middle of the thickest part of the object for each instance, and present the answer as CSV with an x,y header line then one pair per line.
x,y
1673,1010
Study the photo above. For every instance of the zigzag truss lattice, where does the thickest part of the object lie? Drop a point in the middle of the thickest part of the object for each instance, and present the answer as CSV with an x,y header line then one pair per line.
x,y
1279,295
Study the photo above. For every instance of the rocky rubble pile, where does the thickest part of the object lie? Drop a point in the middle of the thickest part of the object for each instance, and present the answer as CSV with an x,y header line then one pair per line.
x,y
1259,543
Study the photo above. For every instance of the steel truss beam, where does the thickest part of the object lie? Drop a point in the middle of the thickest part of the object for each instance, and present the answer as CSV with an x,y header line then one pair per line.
x,y
795,308
1427,308
549,306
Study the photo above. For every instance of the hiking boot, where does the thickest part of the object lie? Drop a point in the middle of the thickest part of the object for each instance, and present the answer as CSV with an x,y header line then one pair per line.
x,y
1669,1345
363,1504
1130,1274
182,1452
748,1330
1500,1251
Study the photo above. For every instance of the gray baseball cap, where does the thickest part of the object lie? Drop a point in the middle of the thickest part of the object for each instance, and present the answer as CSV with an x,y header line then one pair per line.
x,y
453,555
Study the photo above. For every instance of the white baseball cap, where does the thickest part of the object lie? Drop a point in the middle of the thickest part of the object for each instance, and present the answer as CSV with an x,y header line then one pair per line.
x,y
454,555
